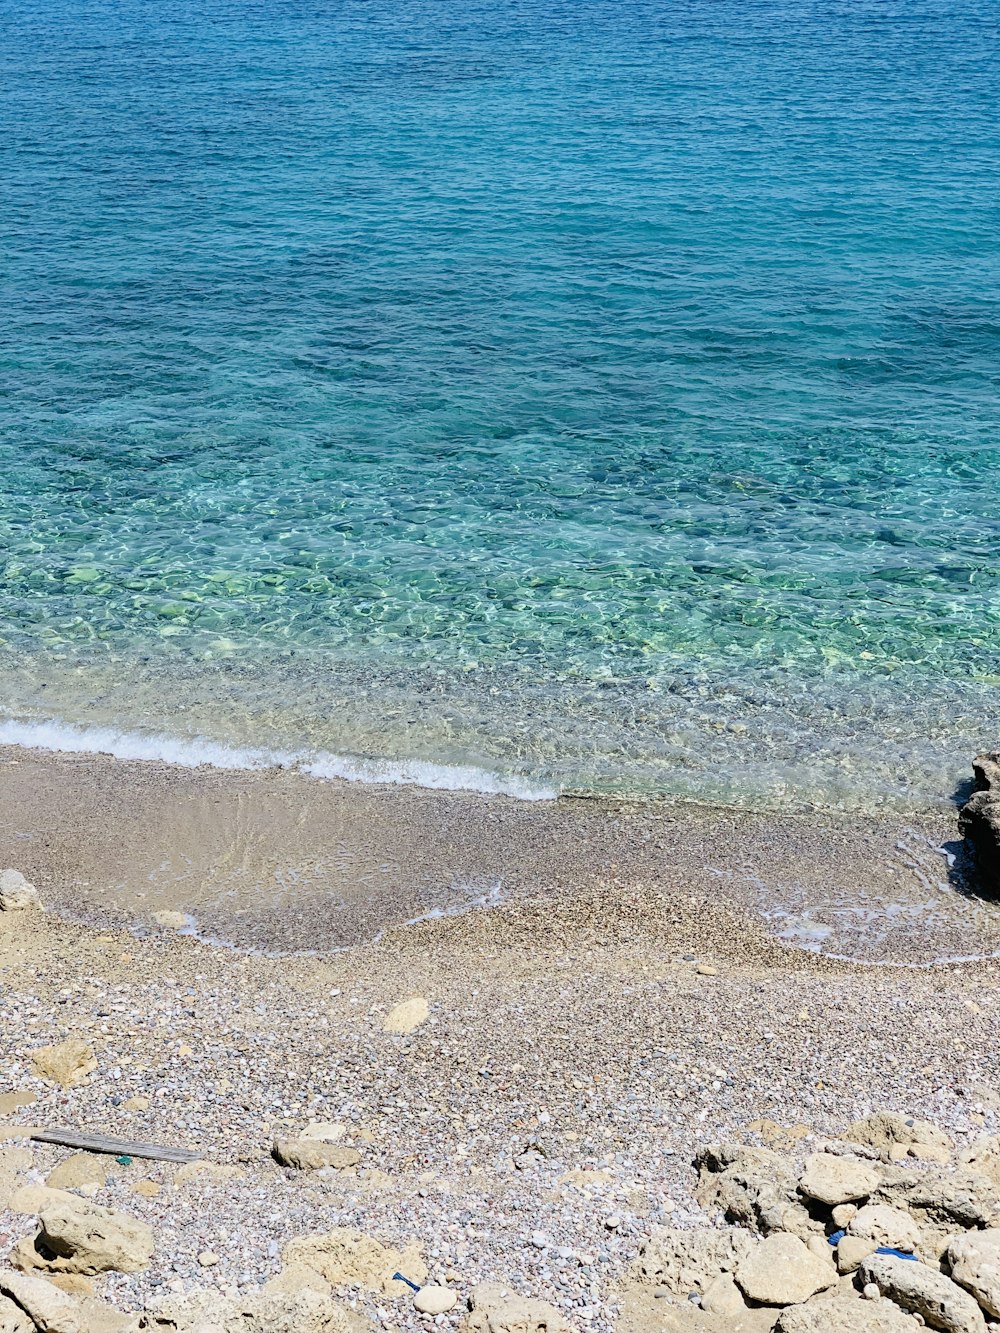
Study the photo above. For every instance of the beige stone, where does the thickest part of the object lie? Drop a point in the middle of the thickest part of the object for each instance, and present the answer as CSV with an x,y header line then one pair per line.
x,y
681,1261
325,1131
85,1238
843,1215
349,1258
299,1277
29,1200
205,1172
146,1189
498,1309
67,1063
836,1180
82,1168
940,1302
844,1316
433,1300
313,1154
171,920
941,1198
983,1157
852,1251
16,894
886,1226
782,1270
51,1310
974,1259
406,1016
723,1297
13,1319
10,1102
886,1130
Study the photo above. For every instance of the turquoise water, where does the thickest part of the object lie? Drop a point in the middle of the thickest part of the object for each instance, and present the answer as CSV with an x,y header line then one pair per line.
x,y
601,394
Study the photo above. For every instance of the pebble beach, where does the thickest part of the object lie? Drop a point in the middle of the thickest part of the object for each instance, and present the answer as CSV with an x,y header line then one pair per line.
x,y
523,1086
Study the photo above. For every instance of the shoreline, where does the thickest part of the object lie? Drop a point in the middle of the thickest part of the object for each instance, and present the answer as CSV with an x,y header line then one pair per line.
x,y
276,861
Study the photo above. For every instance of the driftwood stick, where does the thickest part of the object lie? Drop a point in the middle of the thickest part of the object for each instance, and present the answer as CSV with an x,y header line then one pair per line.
x,y
72,1138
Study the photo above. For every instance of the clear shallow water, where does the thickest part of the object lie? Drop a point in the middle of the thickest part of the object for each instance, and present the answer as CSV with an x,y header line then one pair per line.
x,y
605,396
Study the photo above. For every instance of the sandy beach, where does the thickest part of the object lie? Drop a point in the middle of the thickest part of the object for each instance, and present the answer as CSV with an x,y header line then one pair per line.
x,y
617,1001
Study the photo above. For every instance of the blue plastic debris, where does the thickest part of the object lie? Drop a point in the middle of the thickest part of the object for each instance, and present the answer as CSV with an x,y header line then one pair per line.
x,y
124,1160
398,1277
837,1237
896,1254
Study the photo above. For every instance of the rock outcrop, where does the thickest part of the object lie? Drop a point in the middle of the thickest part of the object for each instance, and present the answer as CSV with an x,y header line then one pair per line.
x,y
979,818
498,1309
16,894
349,1258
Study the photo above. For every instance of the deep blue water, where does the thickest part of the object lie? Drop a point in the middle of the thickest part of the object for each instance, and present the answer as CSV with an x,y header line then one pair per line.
x,y
606,393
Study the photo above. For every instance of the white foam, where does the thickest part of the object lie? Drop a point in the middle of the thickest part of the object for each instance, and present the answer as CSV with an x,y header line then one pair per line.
x,y
416,773
200,750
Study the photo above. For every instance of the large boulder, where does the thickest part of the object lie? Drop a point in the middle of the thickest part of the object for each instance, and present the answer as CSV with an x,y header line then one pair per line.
x,y
940,1302
895,1137
349,1258
686,1261
974,1260
498,1309
782,1270
78,1236
16,894
834,1180
753,1188
979,818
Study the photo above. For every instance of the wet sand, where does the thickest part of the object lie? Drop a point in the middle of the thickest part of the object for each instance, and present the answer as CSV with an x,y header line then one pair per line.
x,y
280,862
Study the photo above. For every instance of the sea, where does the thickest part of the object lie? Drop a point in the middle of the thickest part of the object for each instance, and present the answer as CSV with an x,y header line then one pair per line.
x,y
592,398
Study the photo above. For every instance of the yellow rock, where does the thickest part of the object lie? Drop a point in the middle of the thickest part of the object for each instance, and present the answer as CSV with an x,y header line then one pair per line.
x,y
13,1101
67,1063
149,1189
350,1258
407,1015
82,1168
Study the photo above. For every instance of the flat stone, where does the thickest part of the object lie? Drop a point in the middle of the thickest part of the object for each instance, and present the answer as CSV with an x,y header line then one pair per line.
x,y
407,1015
782,1270
435,1300
51,1310
82,1168
837,1180
314,1154
680,1261
840,1315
